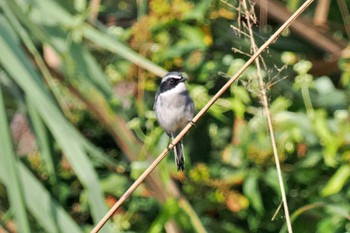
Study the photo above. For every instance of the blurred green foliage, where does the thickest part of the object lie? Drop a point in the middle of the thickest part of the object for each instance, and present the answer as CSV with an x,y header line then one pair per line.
x,y
83,92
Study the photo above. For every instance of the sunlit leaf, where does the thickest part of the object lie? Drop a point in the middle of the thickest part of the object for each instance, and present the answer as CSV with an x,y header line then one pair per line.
x,y
252,191
337,181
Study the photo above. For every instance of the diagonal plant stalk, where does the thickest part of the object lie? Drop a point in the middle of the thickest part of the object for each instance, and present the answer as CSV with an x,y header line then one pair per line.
x,y
155,163
116,126
265,103
128,143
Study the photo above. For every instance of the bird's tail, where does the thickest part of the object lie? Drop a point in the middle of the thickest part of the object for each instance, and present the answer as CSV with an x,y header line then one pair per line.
x,y
179,156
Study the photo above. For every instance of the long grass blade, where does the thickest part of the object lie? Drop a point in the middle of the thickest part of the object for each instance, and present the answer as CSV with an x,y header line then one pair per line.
x,y
9,167
57,15
20,69
111,44
14,14
45,145
50,215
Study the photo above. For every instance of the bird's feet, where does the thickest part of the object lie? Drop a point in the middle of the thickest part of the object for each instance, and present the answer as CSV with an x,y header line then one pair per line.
x,y
192,122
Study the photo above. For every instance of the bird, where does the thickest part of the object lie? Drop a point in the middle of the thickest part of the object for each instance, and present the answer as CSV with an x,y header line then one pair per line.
x,y
174,109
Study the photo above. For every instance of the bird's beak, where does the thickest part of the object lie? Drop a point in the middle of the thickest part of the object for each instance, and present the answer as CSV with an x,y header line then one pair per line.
x,y
183,79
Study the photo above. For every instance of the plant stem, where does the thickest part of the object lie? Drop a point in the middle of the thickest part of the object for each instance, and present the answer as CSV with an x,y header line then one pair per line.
x,y
307,100
265,104
144,175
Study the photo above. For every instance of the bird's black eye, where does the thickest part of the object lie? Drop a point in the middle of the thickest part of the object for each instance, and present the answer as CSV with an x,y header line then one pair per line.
x,y
172,80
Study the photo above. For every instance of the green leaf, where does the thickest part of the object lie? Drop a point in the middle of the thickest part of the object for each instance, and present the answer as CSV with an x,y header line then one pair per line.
x,y
20,69
169,210
50,13
50,215
302,67
107,42
86,65
9,170
44,142
45,209
109,183
337,181
252,191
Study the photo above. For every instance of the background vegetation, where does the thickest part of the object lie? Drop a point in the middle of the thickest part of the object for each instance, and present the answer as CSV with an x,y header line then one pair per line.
x,y
78,80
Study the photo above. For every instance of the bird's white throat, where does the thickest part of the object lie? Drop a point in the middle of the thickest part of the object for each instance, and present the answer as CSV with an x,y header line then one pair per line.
x,y
179,88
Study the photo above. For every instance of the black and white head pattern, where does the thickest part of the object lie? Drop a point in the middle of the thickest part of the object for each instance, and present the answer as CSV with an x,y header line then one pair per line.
x,y
170,80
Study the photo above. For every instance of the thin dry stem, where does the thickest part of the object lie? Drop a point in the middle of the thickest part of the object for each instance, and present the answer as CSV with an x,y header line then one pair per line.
x,y
241,52
238,30
344,11
321,12
265,104
276,212
307,31
154,164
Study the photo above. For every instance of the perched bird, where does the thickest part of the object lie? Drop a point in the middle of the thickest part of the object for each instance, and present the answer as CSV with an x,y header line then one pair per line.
x,y
174,110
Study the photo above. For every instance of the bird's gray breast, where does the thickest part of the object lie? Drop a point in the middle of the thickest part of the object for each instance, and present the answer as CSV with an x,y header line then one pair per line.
x,y
174,110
